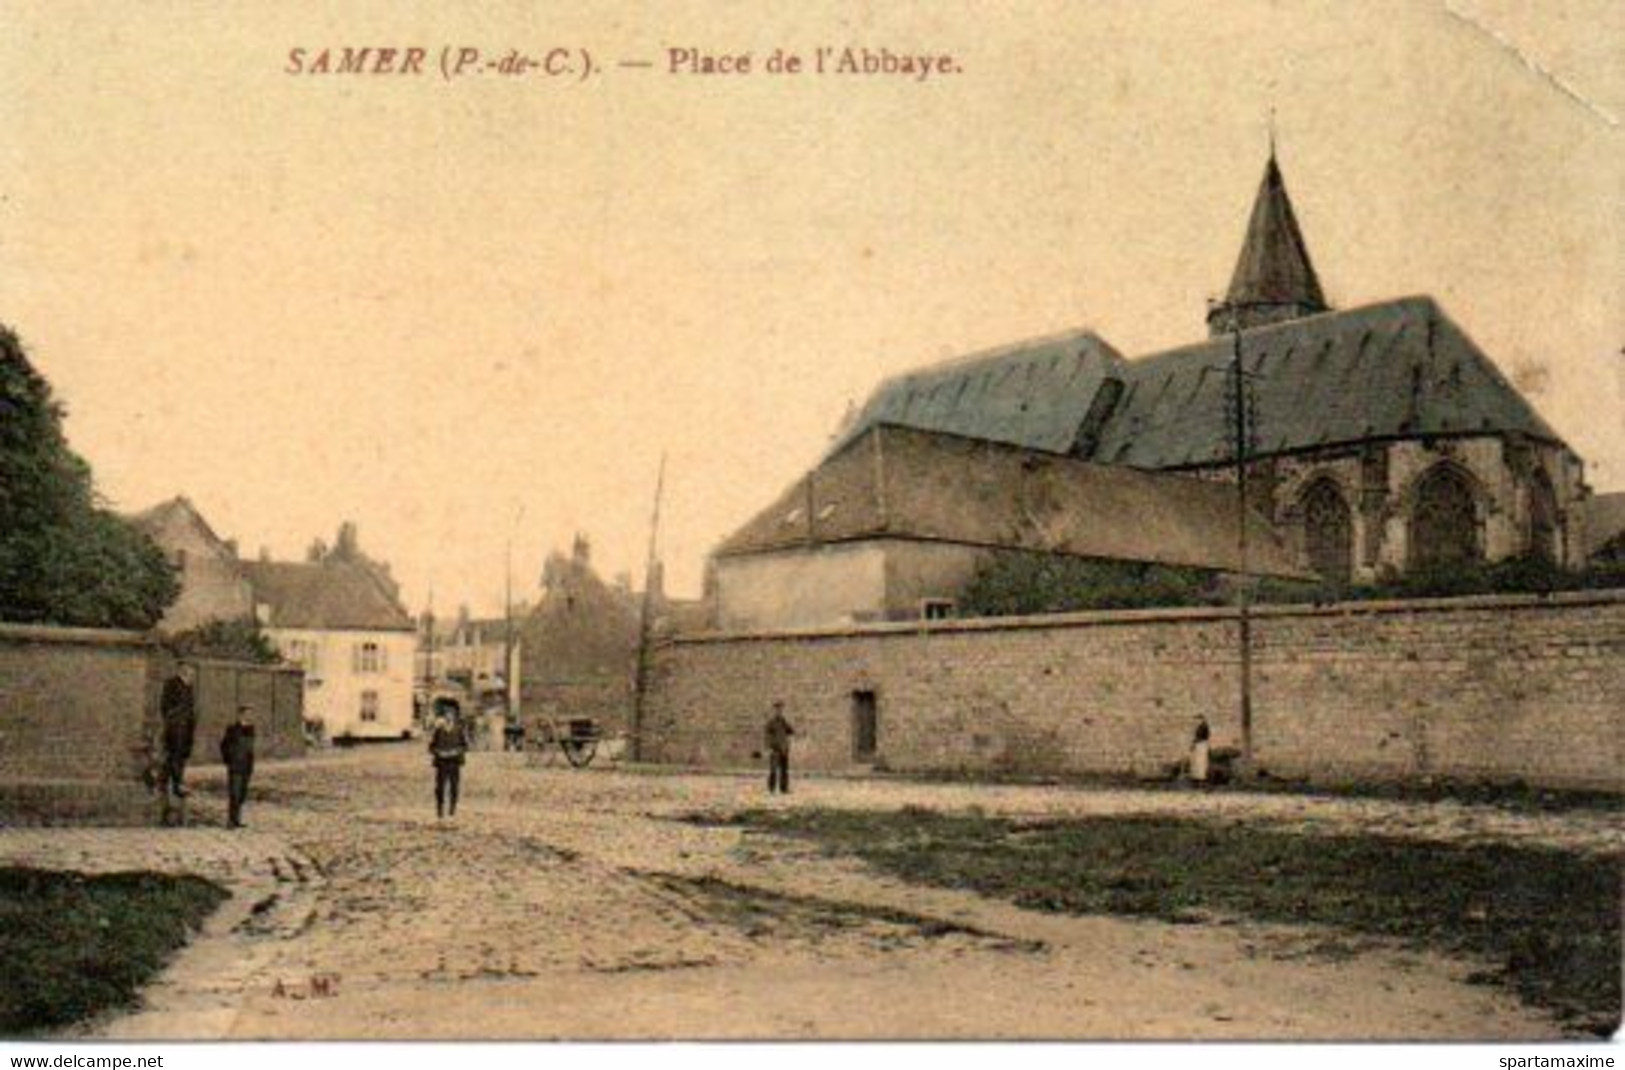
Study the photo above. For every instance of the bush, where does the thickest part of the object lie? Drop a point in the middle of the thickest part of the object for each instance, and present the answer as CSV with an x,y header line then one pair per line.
x,y
1044,583
1036,583
237,640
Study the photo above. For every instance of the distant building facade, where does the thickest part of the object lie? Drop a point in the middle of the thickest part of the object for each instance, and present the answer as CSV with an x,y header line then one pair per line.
x,y
352,638
212,584
1605,529
472,656
578,647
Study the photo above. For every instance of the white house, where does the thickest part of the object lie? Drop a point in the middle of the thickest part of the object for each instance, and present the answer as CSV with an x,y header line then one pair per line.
x,y
354,641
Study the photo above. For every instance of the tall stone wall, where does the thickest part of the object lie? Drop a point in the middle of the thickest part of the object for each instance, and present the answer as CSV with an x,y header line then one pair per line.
x,y
1476,689
72,702
78,714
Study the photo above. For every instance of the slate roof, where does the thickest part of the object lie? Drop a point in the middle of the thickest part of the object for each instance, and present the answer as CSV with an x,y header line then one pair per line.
x,y
333,595
1034,394
152,521
1398,369
1393,370
904,483
1274,267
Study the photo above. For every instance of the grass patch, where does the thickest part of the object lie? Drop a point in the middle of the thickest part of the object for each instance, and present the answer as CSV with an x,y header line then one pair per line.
x,y
1548,919
1511,796
76,945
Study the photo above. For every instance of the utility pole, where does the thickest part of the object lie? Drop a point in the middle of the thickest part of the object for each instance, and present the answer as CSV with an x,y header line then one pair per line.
x,y
1240,419
510,682
428,654
640,683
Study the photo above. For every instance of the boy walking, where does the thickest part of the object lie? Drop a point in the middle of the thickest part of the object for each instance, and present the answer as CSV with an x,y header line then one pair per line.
x,y
237,751
448,746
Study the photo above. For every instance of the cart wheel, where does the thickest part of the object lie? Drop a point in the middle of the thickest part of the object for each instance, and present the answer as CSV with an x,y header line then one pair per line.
x,y
579,752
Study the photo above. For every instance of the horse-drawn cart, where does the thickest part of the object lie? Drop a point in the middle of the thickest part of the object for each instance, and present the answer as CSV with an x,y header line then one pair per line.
x,y
576,738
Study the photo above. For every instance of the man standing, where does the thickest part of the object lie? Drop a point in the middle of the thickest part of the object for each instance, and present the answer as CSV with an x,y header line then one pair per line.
x,y
178,705
778,733
237,751
448,746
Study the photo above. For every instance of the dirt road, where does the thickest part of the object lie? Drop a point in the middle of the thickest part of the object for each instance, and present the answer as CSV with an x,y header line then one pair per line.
x,y
575,904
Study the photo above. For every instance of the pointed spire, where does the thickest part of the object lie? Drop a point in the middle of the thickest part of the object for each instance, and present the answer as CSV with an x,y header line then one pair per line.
x,y
1274,280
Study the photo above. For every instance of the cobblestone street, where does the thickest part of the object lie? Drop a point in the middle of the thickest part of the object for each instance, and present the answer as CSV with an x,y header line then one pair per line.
x,y
581,904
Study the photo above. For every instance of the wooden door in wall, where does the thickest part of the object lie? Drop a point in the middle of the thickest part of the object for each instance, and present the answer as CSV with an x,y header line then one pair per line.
x,y
865,726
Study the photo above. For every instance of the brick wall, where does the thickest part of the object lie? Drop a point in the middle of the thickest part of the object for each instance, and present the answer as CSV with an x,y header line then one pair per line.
x,y
275,692
1486,688
71,702
71,708
78,707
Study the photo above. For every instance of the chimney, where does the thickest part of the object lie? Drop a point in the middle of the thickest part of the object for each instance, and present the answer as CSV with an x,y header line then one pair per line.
x,y
348,544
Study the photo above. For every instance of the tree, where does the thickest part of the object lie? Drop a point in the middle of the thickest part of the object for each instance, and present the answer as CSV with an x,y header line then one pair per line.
x,y
238,640
64,557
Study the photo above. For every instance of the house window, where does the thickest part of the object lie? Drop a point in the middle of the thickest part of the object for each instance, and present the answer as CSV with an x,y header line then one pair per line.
x,y
305,653
369,658
937,608
369,707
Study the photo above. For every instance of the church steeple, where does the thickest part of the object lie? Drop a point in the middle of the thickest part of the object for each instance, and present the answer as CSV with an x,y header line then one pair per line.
x,y
1274,280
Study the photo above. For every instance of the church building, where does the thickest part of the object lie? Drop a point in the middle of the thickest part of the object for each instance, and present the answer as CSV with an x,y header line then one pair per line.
x,y
1382,438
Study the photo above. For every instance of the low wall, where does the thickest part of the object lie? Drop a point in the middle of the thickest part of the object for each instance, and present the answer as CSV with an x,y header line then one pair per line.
x,y
1493,689
78,714
276,692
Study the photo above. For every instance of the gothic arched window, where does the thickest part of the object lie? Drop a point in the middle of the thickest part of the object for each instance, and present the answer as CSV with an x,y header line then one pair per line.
x,y
1328,531
1542,518
1444,520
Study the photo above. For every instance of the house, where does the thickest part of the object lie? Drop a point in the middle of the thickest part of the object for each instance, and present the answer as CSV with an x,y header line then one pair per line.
x,y
212,584
1383,439
352,638
1605,529
578,648
895,522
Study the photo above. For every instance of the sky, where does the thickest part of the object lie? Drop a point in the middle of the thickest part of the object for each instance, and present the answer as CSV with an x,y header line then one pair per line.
x,y
473,313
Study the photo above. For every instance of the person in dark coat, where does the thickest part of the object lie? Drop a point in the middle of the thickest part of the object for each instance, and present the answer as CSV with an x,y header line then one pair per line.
x,y
237,751
448,746
178,707
777,737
